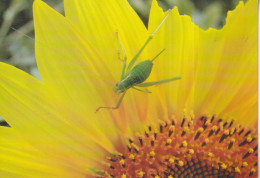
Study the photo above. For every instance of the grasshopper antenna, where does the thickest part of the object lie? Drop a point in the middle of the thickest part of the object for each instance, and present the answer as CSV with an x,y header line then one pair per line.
x,y
120,44
161,23
158,54
147,41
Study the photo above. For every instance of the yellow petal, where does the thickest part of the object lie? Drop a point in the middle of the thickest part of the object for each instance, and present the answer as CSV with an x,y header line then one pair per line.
x,y
72,68
25,106
179,36
218,67
100,20
232,67
19,159
18,89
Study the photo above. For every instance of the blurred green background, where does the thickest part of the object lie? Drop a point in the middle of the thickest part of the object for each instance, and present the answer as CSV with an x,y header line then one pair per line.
x,y
17,31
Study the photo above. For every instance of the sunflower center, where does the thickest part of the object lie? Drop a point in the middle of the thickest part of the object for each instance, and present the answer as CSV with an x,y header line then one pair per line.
x,y
203,147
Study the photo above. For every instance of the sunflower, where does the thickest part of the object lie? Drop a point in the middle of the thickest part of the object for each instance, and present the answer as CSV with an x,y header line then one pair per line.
x,y
203,125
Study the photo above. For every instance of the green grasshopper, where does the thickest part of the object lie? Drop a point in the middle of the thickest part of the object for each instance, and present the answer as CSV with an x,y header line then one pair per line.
x,y
135,76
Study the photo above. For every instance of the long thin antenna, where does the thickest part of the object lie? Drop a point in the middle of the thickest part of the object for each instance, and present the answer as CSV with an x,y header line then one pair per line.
x,y
161,22
158,54
130,65
22,33
120,43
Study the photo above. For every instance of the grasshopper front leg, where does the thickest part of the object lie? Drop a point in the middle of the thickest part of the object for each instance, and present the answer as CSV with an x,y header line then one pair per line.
x,y
116,107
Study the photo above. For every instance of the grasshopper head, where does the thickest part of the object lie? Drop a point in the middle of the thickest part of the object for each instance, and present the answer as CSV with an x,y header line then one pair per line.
x,y
118,89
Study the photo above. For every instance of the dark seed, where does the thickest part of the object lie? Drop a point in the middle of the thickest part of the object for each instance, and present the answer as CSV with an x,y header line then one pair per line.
x,y
243,143
183,133
152,143
170,133
210,133
230,145
231,123
197,135
246,155
222,138
212,119
241,132
247,133
146,134
255,148
204,127
182,123
161,128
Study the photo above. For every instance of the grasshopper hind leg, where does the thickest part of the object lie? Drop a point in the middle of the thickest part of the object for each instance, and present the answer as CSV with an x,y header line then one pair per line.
x,y
148,84
116,107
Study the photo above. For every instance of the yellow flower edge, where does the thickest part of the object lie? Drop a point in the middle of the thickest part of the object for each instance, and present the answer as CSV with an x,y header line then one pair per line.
x,y
55,131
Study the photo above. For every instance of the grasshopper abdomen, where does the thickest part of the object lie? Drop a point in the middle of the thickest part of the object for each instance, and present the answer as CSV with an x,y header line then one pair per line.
x,y
136,76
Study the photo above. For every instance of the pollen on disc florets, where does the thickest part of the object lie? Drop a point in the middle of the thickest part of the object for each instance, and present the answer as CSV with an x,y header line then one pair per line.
x,y
202,147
